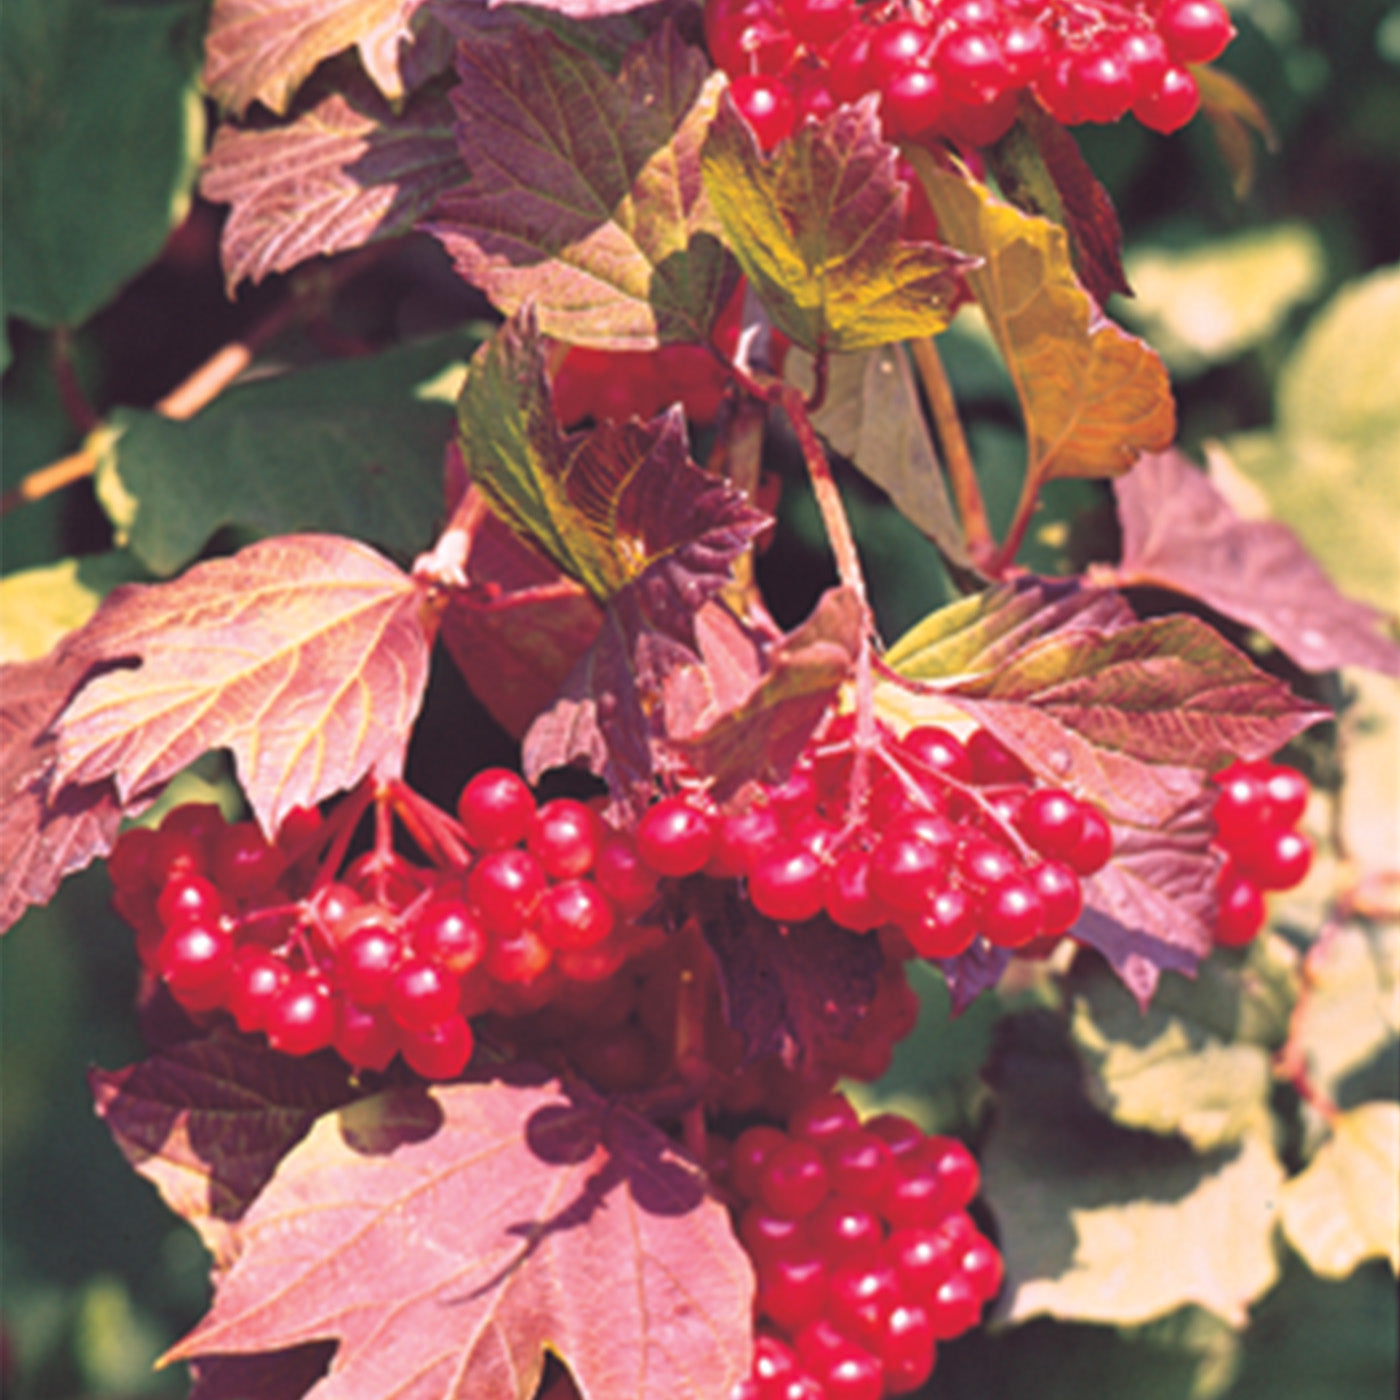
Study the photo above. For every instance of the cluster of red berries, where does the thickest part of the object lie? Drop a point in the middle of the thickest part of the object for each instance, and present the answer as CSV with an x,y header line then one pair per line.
x,y
388,957
1257,810
955,68
941,840
865,1256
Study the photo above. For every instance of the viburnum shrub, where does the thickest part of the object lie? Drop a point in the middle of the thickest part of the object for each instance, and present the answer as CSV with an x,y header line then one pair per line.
x,y
575,1064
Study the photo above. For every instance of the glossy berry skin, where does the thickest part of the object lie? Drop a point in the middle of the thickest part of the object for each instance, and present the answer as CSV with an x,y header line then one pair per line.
x,y
793,1180
244,863
189,899
787,884
624,876
676,838
503,888
1241,912
447,932
946,926
1194,31
1052,821
908,1348
365,963
1095,846
574,914
496,808
565,837
766,104
365,1037
1276,860
301,1019
1012,913
421,995
195,960
903,868
440,1051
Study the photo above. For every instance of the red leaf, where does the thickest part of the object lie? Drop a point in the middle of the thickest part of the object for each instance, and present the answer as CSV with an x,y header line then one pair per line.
x,y
585,195
261,50
445,1265
207,1121
306,655
348,172
44,834
1180,533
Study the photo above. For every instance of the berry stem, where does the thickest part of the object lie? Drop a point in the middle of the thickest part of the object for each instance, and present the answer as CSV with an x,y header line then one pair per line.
x,y
440,838
339,830
962,474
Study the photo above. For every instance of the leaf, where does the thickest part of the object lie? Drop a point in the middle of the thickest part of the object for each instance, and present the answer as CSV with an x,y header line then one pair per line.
x,y
746,713
1169,1069
1209,302
46,833
793,993
447,1264
207,1122
1127,714
816,227
102,127
305,655
872,415
617,507
1038,167
1099,1224
1234,112
1092,396
352,448
274,1375
585,195
517,627
1346,1206
349,171
262,50
1179,532
38,607
1337,436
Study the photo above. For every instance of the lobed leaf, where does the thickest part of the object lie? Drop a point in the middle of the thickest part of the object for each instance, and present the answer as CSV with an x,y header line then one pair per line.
x,y
1092,396
585,195
445,1264
262,50
1180,532
350,448
1345,1207
305,655
817,228
346,172
207,1121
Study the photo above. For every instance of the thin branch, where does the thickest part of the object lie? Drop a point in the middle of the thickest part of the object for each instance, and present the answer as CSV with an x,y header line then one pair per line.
x,y
1005,555
962,474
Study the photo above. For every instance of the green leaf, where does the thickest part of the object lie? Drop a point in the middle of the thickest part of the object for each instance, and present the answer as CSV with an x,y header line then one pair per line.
x,y
1346,1206
816,227
39,606
871,414
1337,437
1092,396
102,132
1100,1224
353,448
1209,302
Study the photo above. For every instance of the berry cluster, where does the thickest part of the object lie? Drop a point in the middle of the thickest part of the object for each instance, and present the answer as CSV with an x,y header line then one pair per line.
x,y
388,957
955,68
865,1255
1257,809
941,840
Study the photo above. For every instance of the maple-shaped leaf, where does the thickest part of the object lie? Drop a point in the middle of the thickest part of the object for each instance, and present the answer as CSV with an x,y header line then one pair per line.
x,y
262,50
790,992
1128,714
1039,169
617,507
817,228
305,655
46,832
1180,532
517,626
1092,396
349,171
446,1264
206,1121
585,195
746,711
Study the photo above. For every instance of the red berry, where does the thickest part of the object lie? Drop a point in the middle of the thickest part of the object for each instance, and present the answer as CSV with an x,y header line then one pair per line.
x,y
741,839
934,748
908,1348
956,1168
676,838
1095,844
945,927
1241,910
992,761
853,1375
903,868
844,1229
1276,860
518,959
765,1235
787,884
847,895
1012,913
955,1307
981,1265
766,104
1102,85
793,1179
503,888
901,1135
302,1017
973,65
1052,821
565,837
573,915
818,22
792,1286
912,101
859,1164
254,980
189,899
365,1037
245,864
365,961
497,808
194,961
752,1148
860,1297
982,864
1060,892
1194,31
421,995
623,876
446,932
823,1119
129,865
914,1196
922,1256
1286,792
440,1051
748,36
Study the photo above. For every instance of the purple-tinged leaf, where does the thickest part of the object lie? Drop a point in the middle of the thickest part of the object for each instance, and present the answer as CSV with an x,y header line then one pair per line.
x,y
1180,533
207,1122
349,171
793,992
817,228
446,1263
1127,715
585,195
268,1375
262,50
306,655
1039,169
971,973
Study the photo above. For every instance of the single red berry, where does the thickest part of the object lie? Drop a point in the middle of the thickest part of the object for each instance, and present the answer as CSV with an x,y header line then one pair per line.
x,y
895,47
1102,83
982,864
957,1170
860,1297
912,101
1026,47
935,748
565,837
903,868
914,1195
421,995
787,884
1241,804
922,1256
365,1037
1241,911
446,932
955,1307
818,22
1095,844
496,808
792,1286
774,1362
752,1148
901,1135
972,63
946,925
245,864
1286,791
992,761
440,1051
519,958
1195,31
255,978
367,958
1146,59
853,1375
1060,893
574,914
195,960
848,64
845,1229
981,1264
859,1164
793,1179
1012,913
189,899
676,838
741,839
623,876
748,36
503,888
823,1119
908,1348
1276,860
766,104
302,1017
765,1234
847,895
1052,821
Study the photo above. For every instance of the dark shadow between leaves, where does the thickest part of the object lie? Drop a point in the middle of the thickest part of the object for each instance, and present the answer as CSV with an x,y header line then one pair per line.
x,y
267,1375
376,1126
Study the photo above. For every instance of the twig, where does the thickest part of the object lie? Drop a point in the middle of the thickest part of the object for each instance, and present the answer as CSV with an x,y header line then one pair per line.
x,y
1003,558
962,474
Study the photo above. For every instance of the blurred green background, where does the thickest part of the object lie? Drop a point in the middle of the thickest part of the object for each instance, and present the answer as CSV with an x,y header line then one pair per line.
x,y
1238,292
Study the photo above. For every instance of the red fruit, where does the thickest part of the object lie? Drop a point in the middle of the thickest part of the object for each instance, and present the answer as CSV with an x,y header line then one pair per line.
x,y
366,960
519,958
1286,792
945,927
1145,57
908,1348
766,1235
894,48
676,838
1095,844
914,1196
748,36
503,889
421,995
574,915
823,1119
982,1266
623,876
818,22
752,1148
1012,913
440,1051
255,979
982,864
956,1168
903,868
565,837
446,932
1241,910
189,899
901,1135
766,104
992,761
860,1297
302,1017
1060,893
848,64
773,1362
1194,31
853,1375
847,894
245,864
1052,821
787,884
1102,85
955,1307
497,808
845,1229
1026,48
935,748
365,1037
194,961
912,101
859,1165
1275,860
922,1257
792,1287
793,1179
973,65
